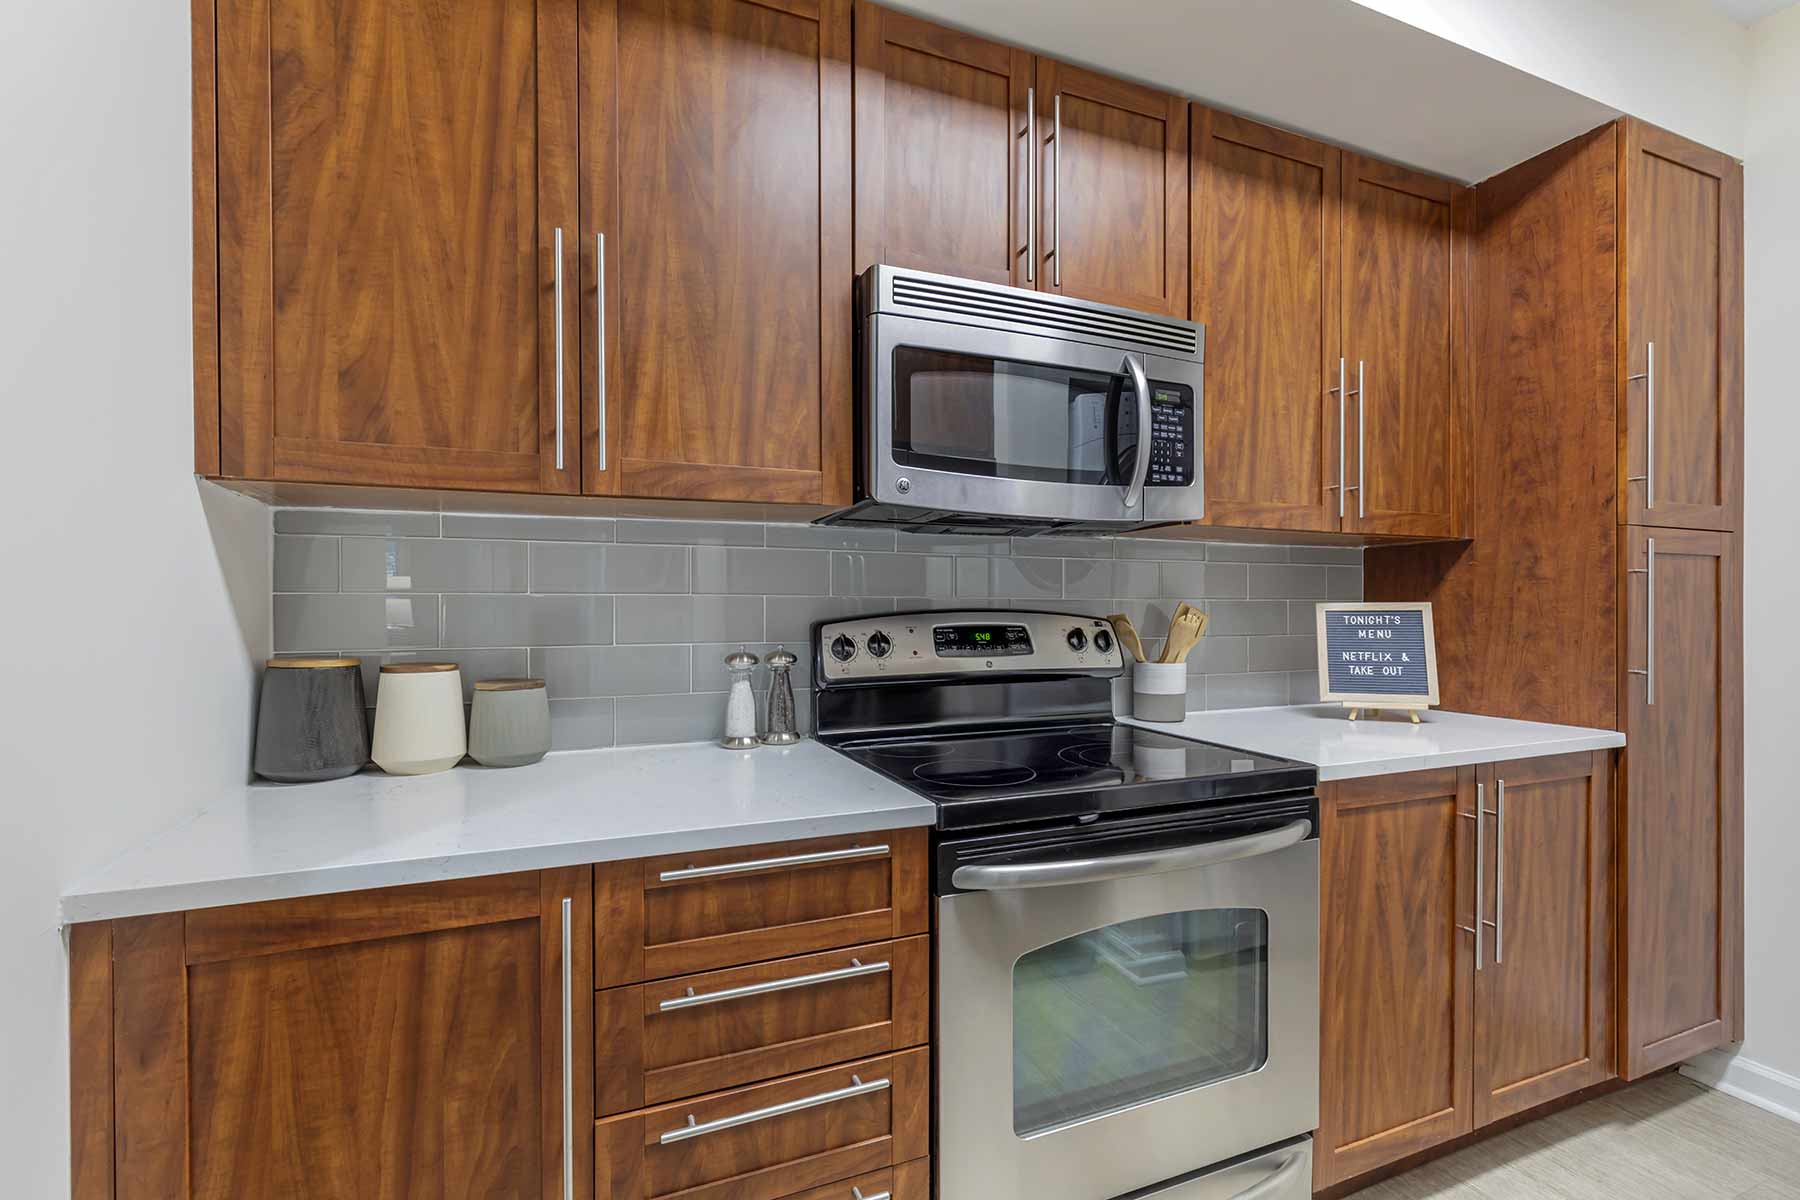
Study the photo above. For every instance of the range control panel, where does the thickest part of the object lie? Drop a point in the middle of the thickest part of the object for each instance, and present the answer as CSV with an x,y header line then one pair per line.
x,y
1171,435
977,642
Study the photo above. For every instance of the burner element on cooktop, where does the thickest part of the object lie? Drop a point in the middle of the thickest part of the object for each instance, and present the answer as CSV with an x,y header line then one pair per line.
x,y
1094,754
974,773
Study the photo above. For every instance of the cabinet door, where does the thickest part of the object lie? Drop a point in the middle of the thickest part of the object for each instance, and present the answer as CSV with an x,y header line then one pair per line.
x,y
1397,894
942,149
402,1042
1265,269
1682,357
391,180
1682,825
1113,221
716,170
1405,280
1543,984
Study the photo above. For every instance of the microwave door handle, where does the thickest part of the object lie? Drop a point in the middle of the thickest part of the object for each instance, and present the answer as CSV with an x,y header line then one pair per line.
x,y
1000,877
1134,492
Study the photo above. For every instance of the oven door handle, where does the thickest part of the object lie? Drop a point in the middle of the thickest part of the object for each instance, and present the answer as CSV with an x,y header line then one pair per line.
x,y
1000,877
1140,383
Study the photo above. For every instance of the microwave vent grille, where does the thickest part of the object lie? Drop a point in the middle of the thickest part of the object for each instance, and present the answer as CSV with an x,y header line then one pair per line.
x,y
1044,313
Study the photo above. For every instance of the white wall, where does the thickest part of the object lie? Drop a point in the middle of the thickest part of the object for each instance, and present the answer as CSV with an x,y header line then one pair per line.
x,y
127,689
1768,1066
1681,64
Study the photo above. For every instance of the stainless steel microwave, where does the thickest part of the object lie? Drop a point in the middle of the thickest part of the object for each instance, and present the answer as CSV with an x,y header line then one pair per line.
x,y
991,409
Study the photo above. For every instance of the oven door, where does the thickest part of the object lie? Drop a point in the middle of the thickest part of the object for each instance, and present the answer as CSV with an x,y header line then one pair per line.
x,y
985,421
1107,1024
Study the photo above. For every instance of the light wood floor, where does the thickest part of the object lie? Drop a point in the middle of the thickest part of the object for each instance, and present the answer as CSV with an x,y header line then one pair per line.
x,y
1664,1139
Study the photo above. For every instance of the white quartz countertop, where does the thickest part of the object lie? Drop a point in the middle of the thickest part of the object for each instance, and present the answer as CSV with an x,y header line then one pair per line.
x,y
271,842
1323,735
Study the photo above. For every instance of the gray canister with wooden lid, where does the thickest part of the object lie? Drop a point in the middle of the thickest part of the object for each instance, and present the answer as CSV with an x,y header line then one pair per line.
x,y
310,725
509,722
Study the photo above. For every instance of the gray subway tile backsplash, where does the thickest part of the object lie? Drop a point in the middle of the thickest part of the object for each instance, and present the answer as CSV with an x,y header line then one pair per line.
x,y
629,619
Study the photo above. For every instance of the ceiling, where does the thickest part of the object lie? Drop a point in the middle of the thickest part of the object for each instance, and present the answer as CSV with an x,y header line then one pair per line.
x,y
1330,68
1748,12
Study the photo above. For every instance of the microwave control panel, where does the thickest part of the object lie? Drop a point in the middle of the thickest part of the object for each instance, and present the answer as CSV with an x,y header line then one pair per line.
x,y
1172,438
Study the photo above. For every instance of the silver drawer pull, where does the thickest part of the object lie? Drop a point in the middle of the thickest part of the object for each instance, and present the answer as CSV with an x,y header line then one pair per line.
x,y
856,1192
770,864
693,1129
857,967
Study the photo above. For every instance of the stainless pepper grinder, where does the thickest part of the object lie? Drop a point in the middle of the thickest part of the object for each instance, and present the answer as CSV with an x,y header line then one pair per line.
x,y
784,729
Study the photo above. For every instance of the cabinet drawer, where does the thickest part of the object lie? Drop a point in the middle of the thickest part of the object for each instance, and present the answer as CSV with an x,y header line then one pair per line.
x,y
700,1033
795,1135
681,913
908,1181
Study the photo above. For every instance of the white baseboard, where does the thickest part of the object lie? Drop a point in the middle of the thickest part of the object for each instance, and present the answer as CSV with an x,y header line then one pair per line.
x,y
1748,1080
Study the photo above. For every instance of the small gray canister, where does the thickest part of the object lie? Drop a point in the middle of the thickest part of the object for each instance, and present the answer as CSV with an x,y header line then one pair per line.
x,y
509,722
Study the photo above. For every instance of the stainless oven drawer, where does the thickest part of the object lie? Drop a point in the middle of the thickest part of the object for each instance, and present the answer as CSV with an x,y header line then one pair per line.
x,y
1280,1173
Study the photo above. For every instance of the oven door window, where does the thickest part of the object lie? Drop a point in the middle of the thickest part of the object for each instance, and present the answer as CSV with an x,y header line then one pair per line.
x,y
977,415
1138,1011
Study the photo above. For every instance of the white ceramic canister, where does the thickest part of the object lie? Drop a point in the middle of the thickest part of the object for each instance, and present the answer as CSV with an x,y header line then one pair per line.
x,y
1159,691
418,718
509,722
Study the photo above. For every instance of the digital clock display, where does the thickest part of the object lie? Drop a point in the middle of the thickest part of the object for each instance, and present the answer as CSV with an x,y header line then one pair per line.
x,y
975,641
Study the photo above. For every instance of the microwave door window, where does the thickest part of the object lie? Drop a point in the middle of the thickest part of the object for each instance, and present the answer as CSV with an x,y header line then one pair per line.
x,y
975,415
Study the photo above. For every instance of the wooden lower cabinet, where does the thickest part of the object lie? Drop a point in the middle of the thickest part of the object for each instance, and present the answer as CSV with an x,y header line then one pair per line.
x,y
1396,967
1681,828
400,1042
1427,1036
773,1139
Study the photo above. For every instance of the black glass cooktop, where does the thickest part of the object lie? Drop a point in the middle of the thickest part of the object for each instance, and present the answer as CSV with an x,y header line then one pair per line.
x,y
1070,770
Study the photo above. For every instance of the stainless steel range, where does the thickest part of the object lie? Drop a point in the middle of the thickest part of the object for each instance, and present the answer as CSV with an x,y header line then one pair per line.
x,y
1127,992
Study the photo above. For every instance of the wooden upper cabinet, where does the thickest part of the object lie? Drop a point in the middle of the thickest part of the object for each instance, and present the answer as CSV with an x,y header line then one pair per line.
x,y
1405,280
1265,224
1682,353
941,149
1113,211
387,281
1396,892
1543,990
400,1042
1682,825
716,165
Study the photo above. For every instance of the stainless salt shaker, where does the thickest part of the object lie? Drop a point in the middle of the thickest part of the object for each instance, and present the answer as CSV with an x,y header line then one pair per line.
x,y
784,729
740,706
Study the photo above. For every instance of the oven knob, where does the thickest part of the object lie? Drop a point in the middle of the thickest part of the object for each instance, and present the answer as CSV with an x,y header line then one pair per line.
x,y
1103,641
880,644
1077,640
842,648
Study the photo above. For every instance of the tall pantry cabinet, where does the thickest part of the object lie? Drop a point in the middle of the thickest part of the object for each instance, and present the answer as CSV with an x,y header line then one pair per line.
x,y
1603,584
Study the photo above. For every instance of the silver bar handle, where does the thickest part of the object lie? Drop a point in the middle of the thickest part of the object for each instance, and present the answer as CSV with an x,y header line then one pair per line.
x,y
1348,487
1277,1184
1031,156
1140,471
557,275
600,342
771,864
1362,442
1338,487
1056,195
568,1047
856,968
1480,868
997,877
1648,670
1648,375
694,1129
1498,924
856,1194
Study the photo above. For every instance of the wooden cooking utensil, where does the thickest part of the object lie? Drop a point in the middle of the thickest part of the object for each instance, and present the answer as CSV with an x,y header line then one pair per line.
x,y
1185,632
1128,636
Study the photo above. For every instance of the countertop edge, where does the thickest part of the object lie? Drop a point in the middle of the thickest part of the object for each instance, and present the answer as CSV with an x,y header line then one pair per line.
x,y
1600,740
78,907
